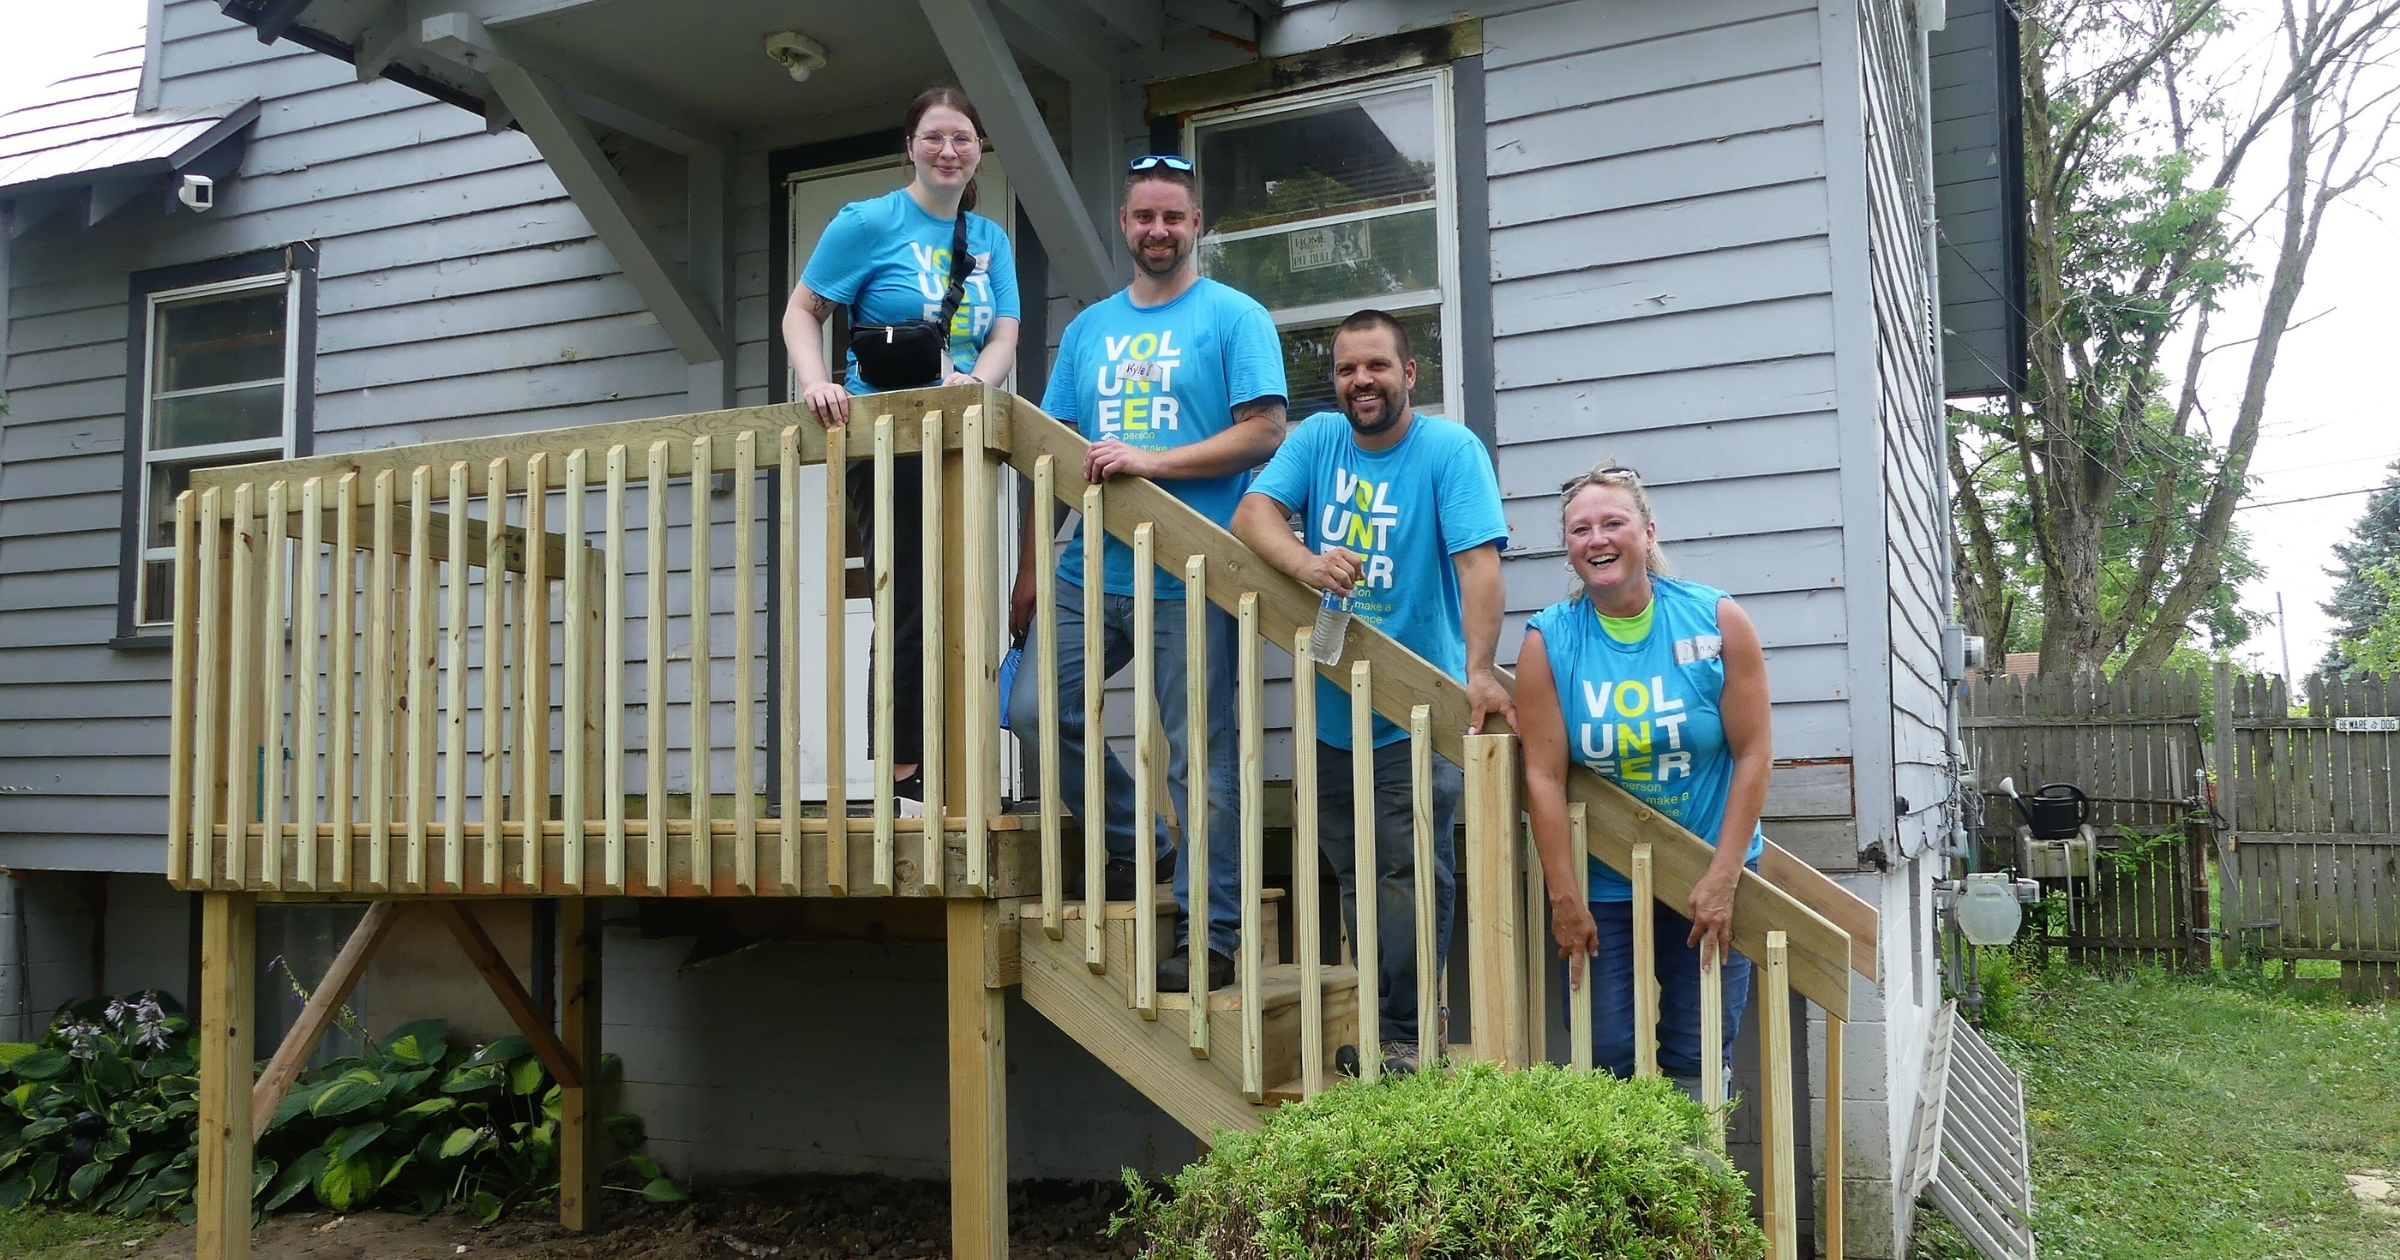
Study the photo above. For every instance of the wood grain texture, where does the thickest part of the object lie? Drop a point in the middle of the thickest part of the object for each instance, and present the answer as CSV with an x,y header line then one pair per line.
x,y
978,1061
228,1011
493,966
324,1003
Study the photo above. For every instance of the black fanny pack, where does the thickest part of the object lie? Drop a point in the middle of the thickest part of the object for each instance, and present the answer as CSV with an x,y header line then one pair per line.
x,y
913,352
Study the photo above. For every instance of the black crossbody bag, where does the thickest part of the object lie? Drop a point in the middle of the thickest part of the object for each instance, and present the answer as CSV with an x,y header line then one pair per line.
x,y
912,353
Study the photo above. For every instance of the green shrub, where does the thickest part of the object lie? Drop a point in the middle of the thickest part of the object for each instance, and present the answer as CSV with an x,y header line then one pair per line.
x,y
102,1114
1478,1163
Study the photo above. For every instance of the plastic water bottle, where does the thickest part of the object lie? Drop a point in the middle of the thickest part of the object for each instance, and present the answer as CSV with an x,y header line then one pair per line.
x,y
1332,628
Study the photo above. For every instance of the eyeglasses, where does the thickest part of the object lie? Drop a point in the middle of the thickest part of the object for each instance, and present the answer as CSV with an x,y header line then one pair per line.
x,y
937,142
1168,160
1611,473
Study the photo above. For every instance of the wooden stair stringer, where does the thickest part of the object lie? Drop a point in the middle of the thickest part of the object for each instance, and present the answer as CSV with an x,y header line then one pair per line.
x,y
1154,1056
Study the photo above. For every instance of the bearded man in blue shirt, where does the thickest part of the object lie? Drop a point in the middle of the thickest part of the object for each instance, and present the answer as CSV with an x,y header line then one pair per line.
x,y
1179,379
1401,513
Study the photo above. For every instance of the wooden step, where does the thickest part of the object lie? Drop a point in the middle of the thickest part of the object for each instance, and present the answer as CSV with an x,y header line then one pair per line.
x,y
1278,987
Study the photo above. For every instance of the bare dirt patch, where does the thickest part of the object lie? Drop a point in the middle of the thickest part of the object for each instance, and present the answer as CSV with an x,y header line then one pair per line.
x,y
812,1218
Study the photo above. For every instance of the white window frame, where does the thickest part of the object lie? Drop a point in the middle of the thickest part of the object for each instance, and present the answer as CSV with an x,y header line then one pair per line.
x,y
282,446
1452,404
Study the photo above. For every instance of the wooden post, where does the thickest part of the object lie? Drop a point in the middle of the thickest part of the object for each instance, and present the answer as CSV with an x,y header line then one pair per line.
x,y
228,1007
979,611
2231,913
1499,993
1778,1184
1829,1223
1645,963
1307,934
1366,945
581,1155
978,1092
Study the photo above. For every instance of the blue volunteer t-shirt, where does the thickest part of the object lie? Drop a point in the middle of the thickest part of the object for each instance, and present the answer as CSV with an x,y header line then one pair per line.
x,y
1159,377
890,261
1406,511
1645,714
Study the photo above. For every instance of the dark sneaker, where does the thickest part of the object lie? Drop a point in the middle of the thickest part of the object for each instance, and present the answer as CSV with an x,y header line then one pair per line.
x,y
1119,881
1175,971
1345,1061
1399,1057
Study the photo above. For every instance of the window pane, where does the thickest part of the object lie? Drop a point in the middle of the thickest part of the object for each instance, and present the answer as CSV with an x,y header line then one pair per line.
x,y
1363,258
1308,363
158,593
1343,155
236,415
221,340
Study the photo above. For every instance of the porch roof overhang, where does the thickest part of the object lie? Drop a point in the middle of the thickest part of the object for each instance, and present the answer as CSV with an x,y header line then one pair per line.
x,y
696,80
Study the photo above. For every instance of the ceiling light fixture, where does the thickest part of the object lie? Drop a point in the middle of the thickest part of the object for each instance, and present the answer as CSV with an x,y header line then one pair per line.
x,y
796,53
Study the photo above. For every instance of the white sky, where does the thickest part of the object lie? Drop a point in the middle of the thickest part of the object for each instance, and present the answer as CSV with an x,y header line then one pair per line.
x,y
2330,421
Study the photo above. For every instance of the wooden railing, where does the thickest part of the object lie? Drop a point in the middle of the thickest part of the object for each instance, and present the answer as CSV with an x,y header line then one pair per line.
x,y
414,672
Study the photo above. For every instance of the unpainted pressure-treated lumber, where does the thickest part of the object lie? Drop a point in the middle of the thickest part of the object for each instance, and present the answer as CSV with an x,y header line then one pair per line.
x,y
208,682
241,683
1533,947
341,652
702,742
1145,767
533,673
1307,936
1195,822
654,697
787,653
745,647
1831,1228
1579,998
275,619
228,1011
1712,1035
1045,652
1645,963
1495,897
1095,781
307,691
837,660
1366,942
978,524
454,695
494,622
180,733
423,663
931,716
1250,707
1429,963
612,672
885,611
575,665
324,1004
978,1063
489,963
581,1153
1778,1178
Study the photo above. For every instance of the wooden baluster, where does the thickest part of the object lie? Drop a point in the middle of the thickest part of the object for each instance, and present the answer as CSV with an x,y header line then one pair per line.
x,y
787,656
180,735
1366,945
208,753
1579,1000
1249,683
274,620
394,874
934,621
745,647
376,718
1778,1179
533,672
1095,780
454,691
612,665
1045,657
1535,942
654,646
1145,770
1307,937
495,669
981,713
422,662
1830,1230
1645,962
1429,962
241,688
574,665
885,479
1712,1036
1495,898
1202,922
341,652
837,661
702,742
306,684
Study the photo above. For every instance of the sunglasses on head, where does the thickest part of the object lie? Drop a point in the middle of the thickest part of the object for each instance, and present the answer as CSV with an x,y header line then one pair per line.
x,y
1612,473
1168,160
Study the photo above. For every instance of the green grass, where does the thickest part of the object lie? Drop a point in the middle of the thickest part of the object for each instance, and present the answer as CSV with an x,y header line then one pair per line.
x,y
33,1234
2196,1119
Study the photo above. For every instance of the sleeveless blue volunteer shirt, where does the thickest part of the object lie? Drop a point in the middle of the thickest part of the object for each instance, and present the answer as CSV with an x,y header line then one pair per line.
x,y
1645,714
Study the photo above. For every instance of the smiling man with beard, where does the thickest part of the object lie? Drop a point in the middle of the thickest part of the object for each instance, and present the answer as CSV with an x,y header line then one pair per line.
x,y
1401,511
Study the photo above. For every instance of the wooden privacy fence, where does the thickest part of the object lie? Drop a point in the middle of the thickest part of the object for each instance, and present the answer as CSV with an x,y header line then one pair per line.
x,y
2134,745
449,671
2312,868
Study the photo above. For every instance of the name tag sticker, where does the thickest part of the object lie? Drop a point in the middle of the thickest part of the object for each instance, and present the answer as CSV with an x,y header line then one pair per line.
x,y
1137,370
1698,648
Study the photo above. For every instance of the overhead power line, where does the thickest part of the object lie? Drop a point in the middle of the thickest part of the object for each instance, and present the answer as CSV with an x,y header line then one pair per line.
x,y
2311,498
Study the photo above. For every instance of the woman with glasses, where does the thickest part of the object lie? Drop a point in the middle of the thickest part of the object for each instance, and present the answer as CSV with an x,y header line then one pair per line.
x,y
1660,685
931,288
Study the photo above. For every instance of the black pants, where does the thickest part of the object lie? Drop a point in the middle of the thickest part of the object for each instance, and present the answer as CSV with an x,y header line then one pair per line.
x,y
908,592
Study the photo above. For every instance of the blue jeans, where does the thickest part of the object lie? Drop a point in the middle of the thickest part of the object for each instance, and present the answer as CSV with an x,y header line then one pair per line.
x,y
1224,801
1611,991
1396,869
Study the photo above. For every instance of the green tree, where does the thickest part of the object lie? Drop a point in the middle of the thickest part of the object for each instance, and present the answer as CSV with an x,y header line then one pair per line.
x,y
2103,500
2366,604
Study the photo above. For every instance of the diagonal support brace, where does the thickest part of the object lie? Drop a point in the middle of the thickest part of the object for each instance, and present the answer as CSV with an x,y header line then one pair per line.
x,y
513,998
